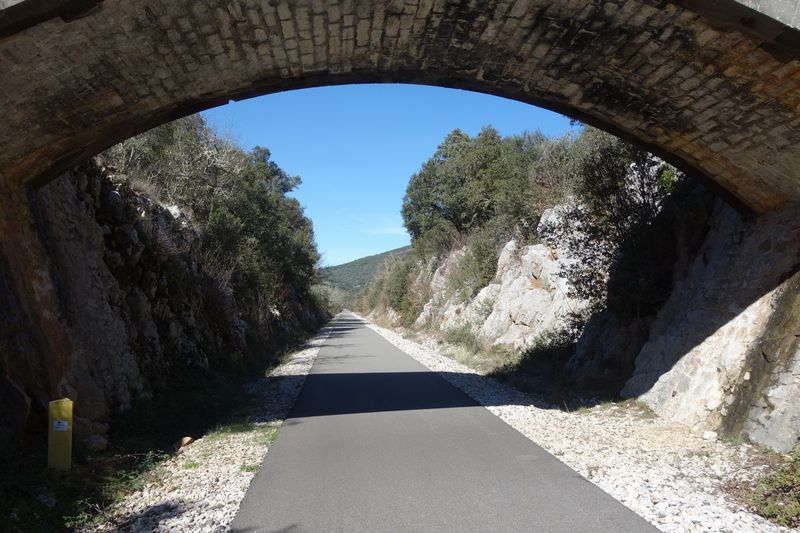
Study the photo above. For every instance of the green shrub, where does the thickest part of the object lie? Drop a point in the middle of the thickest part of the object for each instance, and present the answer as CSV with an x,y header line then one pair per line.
x,y
260,244
397,283
479,265
329,299
396,289
464,337
778,495
546,356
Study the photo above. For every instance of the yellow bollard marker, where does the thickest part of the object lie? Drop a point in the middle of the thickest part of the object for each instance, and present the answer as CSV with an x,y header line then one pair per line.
x,y
59,435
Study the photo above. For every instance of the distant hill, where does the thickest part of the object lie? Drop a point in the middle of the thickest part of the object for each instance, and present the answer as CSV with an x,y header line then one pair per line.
x,y
353,276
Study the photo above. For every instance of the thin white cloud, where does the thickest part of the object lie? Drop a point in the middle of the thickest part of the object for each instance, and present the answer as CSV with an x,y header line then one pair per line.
x,y
394,230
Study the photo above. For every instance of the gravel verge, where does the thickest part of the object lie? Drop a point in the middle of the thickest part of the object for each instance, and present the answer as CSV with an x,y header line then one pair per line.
x,y
664,473
199,489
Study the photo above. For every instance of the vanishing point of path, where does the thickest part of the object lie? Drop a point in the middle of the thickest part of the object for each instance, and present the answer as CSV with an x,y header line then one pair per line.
x,y
377,442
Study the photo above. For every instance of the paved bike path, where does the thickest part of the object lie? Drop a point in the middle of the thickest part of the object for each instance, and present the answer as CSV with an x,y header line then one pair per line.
x,y
377,442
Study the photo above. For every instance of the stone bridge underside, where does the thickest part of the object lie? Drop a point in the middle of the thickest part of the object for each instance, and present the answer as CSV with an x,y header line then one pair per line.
x,y
712,85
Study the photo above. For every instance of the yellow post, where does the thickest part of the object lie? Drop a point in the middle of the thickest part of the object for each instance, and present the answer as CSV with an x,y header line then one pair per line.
x,y
59,437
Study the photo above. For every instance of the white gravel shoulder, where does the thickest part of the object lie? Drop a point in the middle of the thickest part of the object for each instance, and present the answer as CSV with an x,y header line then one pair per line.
x,y
662,472
200,488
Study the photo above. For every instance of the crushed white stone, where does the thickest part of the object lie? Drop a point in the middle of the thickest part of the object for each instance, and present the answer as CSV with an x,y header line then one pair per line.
x,y
660,471
200,488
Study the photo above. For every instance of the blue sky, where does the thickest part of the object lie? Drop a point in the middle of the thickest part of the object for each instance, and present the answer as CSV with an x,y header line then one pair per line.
x,y
355,147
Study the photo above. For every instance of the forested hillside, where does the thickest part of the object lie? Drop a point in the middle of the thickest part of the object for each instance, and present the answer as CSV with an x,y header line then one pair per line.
x,y
355,275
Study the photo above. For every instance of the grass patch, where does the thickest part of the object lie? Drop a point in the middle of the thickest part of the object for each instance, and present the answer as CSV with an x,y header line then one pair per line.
x,y
638,407
777,496
232,428
475,353
266,434
35,499
614,405
698,453
484,361
464,337
250,468
735,440
191,465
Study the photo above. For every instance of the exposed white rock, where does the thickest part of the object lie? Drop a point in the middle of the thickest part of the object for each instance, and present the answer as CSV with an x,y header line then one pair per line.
x,y
723,348
438,287
774,419
722,353
174,210
526,297
530,296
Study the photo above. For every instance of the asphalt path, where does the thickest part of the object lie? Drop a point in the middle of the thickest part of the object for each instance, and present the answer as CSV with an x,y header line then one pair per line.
x,y
377,442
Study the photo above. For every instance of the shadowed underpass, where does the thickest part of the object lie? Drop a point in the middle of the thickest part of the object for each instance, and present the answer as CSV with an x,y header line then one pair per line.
x,y
376,442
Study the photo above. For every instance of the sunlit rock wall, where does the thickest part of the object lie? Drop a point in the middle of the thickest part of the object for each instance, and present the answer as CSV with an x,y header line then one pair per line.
x,y
722,352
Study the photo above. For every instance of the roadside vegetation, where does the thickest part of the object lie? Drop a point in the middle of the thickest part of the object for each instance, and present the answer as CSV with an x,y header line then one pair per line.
x,y
777,496
140,440
256,242
477,193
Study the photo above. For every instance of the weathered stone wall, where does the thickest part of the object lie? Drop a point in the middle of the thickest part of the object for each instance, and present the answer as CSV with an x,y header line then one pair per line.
x,y
138,306
714,87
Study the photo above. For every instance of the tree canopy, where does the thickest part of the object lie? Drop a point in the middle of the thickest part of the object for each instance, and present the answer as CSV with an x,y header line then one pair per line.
x,y
255,236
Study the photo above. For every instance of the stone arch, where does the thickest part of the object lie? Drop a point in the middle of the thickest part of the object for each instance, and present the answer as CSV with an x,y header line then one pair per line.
x,y
715,89
712,85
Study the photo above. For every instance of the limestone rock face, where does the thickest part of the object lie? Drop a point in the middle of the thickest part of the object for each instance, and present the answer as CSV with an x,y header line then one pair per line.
x,y
140,308
721,355
722,350
526,297
530,295
773,417
441,302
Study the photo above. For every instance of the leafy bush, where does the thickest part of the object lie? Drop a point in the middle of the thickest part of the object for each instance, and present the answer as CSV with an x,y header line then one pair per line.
x,y
258,243
468,183
396,287
477,267
778,495
463,336
327,298
546,356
